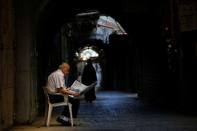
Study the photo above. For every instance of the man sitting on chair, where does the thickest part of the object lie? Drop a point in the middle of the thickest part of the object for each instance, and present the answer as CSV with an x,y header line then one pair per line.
x,y
56,84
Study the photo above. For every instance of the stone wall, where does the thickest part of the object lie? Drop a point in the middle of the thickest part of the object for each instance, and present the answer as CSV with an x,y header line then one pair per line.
x,y
26,68
187,15
7,64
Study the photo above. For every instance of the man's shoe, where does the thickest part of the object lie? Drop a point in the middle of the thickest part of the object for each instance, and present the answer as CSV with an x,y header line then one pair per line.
x,y
65,123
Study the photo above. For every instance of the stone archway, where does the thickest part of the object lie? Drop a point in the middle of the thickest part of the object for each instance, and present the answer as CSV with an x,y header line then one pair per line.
x,y
52,17
40,35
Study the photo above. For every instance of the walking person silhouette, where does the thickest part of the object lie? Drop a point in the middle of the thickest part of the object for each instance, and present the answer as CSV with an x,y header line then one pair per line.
x,y
89,77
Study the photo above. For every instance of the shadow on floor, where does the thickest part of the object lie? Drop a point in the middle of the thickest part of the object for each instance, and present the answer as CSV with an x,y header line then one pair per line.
x,y
118,111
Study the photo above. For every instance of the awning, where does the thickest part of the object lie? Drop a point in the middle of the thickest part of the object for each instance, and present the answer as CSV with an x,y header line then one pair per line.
x,y
106,26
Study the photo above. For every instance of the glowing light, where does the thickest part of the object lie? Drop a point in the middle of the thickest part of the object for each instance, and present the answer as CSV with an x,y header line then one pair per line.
x,y
87,53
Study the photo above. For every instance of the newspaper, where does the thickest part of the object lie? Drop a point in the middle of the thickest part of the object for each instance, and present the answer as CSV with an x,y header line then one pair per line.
x,y
80,87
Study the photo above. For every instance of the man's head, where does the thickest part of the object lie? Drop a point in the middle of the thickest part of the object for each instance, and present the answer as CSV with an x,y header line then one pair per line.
x,y
65,68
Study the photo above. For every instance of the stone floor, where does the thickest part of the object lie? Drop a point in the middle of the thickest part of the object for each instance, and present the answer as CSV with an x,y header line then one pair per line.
x,y
118,111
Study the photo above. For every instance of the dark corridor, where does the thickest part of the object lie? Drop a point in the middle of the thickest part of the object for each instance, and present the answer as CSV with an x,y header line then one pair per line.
x,y
156,58
143,62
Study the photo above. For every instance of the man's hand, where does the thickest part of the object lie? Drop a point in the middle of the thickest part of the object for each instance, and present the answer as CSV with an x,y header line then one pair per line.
x,y
68,91
76,94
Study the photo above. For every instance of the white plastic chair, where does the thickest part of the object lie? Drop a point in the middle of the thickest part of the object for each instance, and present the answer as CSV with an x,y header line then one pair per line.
x,y
49,106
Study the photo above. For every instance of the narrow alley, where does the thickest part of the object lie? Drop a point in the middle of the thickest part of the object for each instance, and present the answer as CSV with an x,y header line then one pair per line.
x,y
144,54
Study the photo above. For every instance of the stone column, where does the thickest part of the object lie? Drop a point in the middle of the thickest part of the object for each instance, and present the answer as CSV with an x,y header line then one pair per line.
x,y
26,84
7,64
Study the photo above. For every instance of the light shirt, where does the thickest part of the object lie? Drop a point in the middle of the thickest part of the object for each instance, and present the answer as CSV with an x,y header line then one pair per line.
x,y
55,80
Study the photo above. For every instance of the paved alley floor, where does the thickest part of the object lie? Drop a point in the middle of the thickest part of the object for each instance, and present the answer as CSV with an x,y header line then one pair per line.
x,y
118,111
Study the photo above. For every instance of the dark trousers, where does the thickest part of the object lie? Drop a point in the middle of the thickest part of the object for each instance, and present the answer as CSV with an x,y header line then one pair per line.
x,y
75,104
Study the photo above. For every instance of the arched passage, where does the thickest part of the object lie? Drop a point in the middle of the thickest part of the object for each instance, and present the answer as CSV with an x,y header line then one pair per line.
x,y
151,27
49,43
136,63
